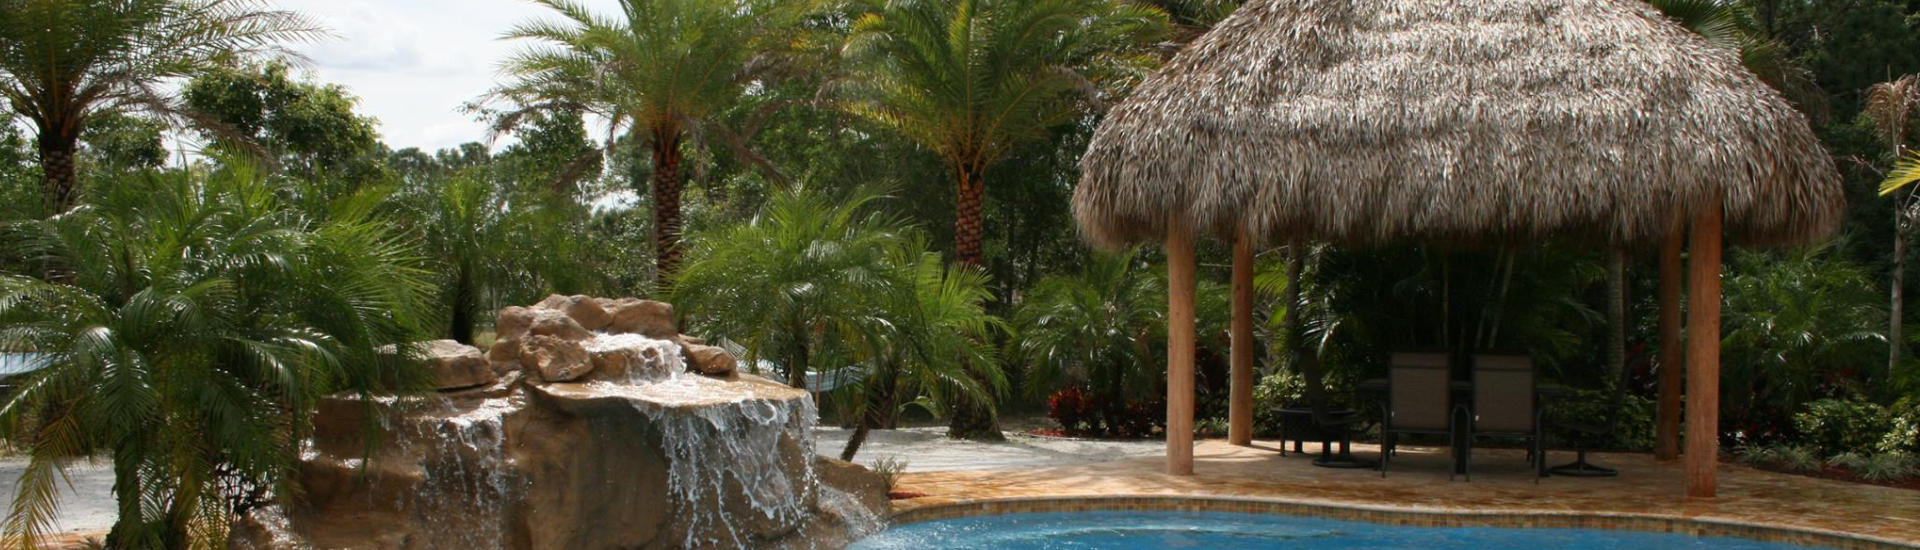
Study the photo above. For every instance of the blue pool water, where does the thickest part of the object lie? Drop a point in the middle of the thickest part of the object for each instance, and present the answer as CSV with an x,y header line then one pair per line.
x,y
1223,531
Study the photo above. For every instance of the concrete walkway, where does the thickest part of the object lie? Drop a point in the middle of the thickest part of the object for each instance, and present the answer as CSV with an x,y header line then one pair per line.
x,y
929,450
86,503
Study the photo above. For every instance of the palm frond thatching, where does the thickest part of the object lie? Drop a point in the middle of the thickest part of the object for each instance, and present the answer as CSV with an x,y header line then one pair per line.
x,y
1370,120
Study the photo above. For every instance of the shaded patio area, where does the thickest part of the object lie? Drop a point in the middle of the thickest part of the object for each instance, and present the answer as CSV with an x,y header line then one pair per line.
x,y
1502,492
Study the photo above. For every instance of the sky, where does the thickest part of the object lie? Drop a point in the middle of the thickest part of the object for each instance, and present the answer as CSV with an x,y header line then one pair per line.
x,y
413,63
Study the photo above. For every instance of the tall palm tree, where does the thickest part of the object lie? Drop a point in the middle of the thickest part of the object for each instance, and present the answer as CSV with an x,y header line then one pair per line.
x,y
1891,106
973,79
661,67
195,323
62,61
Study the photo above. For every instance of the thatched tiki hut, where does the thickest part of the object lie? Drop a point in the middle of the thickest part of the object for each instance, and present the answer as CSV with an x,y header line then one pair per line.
x,y
1491,121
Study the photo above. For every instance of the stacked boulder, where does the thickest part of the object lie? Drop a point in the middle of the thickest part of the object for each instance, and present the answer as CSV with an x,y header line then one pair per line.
x,y
578,339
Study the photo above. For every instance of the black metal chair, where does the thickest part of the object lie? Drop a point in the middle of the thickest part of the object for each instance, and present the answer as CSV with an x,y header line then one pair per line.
x,y
1419,401
1506,404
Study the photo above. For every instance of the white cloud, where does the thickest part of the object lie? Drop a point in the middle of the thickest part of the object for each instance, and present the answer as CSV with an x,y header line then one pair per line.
x,y
413,63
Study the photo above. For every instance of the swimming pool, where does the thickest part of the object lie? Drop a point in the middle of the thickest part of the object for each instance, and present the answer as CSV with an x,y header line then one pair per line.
x,y
1222,530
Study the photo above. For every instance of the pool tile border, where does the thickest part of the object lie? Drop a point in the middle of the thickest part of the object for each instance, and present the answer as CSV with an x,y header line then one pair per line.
x,y
1389,515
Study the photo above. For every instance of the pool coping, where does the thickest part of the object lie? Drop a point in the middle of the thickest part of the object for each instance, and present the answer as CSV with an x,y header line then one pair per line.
x,y
1401,515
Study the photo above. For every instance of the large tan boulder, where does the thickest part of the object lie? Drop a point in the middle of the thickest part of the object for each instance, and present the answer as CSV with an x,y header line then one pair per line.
x,y
644,317
556,323
590,312
556,359
512,323
456,365
710,360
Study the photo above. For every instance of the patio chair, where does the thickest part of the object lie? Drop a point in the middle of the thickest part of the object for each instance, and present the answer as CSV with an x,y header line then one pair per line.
x,y
1419,401
1506,404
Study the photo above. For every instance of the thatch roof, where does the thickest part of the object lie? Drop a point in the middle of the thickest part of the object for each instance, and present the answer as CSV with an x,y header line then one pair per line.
x,y
1371,120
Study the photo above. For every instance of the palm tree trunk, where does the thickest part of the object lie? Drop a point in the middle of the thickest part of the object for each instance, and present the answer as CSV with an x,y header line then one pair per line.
x,y
1896,314
875,412
463,308
666,203
1304,361
971,420
57,169
969,220
129,527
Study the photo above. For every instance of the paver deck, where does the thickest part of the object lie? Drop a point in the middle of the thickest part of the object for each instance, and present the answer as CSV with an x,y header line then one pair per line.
x,y
1418,483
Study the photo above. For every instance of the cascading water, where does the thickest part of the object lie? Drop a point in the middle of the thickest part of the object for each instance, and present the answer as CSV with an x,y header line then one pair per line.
x,y
466,471
716,437
860,520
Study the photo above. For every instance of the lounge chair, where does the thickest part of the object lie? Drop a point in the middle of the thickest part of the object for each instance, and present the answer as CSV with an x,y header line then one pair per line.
x,y
1419,401
1506,404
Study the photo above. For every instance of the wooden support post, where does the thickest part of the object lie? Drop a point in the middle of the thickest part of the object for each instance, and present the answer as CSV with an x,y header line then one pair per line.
x,y
1240,403
1180,348
1672,355
1703,353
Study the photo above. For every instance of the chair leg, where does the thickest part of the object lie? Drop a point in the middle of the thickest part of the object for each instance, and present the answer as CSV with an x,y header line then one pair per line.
x,y
1386,452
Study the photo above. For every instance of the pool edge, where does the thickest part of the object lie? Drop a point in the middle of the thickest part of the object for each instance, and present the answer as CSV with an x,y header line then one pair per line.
x,y
1395,515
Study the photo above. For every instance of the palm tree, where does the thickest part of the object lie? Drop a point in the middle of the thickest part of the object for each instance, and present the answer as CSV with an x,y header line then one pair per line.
x,y
1093,328
488,246
937,338
1891,105
62,61
973,79
662,67
798,283
195,323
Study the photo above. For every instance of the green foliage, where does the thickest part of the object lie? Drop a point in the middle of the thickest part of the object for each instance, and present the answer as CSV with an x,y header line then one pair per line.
x,y
1634,418
552,152
63,61
1280,390
663,68
889,469
309,128
1095,328
487,250
971,80
1903,428
1794,326
795,283
819,283
192,322
118,142
1842,425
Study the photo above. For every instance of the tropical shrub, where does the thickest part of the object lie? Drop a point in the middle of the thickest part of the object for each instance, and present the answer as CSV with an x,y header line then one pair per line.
x,y
817,282
1798,326
1836,426
1095,329
1903,427
1274,392
1073,410
1634,419
192,321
